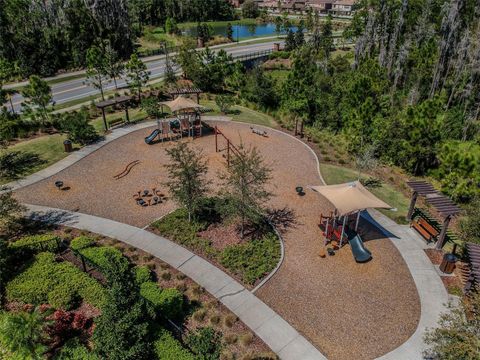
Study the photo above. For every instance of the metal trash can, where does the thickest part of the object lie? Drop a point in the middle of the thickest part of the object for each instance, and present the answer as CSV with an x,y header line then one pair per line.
x,y
67,144
448,263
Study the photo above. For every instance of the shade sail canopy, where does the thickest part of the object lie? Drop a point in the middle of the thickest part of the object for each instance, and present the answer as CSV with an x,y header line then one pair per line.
x,y
350,197
181,103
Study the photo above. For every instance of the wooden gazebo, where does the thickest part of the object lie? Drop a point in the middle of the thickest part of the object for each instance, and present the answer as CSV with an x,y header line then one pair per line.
x,y
119,100
186,91
443,205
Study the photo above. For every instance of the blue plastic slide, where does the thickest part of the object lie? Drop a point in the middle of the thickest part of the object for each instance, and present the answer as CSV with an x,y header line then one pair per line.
x,y
359,251
149,139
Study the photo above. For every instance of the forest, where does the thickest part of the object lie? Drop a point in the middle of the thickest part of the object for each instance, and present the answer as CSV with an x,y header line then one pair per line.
x,y
410,94
42,37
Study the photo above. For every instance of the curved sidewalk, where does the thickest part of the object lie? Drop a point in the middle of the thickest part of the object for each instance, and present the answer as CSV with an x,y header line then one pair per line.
x,y
282,338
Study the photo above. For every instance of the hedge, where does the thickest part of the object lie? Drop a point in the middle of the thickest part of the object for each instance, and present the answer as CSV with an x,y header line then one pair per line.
x,y
38,243
96,256
59,283
169,348
142,274
167,302
81,242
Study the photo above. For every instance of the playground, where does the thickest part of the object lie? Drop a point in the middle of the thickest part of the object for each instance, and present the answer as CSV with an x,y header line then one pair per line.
x,y
346,309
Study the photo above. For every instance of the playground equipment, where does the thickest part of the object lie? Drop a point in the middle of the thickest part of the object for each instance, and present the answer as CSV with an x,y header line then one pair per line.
x,y
127,170
359,251
230,147
348,199
149,198
149,139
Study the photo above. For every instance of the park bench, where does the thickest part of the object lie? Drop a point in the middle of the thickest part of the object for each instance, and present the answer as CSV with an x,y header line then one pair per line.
x,y
116,121
424,229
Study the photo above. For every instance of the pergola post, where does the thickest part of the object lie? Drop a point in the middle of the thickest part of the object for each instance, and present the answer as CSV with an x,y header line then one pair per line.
x,y
443,233
105,125
216,139
412,205
126,114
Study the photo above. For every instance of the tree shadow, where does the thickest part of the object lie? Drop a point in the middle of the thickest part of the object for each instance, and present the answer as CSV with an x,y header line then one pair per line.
x,y
49,220
282,219
14,164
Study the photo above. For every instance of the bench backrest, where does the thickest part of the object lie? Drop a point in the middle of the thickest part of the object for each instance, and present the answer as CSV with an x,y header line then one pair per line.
x,y
424,223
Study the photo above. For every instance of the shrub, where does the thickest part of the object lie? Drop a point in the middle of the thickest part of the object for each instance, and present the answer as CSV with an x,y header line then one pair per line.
x,y
45,276
78,128
37,243
61,297
142,274
168,348
254,259
205,342
97,256
224,102
230,320
81,242
167,302
246,339
74,350
199,315
177,227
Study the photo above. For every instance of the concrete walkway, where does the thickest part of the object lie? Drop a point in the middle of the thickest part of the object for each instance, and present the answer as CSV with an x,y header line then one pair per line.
x,y
432,292
282,338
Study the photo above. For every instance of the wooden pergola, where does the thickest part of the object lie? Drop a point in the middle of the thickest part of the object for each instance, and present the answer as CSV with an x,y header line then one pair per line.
x,y
473,277
444,206
120,100
186,91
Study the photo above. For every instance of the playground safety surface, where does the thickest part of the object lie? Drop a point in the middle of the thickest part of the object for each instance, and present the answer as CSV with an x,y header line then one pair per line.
x,y
347,310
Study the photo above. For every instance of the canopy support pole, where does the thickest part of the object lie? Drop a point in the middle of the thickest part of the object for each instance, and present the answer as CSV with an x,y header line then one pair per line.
x,y
343,229
358,219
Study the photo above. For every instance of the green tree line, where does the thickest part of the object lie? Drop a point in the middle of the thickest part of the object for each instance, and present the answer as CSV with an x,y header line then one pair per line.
x,y
42,37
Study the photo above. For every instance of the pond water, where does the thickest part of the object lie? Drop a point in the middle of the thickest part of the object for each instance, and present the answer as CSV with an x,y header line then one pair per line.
x,y
241,31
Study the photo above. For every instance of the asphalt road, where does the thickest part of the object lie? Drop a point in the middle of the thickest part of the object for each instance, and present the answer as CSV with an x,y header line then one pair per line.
x,y
75,89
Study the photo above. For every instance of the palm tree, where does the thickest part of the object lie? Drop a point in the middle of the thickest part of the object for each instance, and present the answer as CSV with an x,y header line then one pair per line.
x,y
22,334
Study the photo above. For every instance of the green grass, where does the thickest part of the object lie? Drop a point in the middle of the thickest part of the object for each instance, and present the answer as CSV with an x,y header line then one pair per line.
x,y
336,175
134,115
242,114
49,148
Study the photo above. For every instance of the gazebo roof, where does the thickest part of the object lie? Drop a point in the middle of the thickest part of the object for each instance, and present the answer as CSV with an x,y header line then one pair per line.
x,y
350,197
181,103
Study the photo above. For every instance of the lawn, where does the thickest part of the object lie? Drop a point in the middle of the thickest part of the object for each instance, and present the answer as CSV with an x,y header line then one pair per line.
x,y
48,148
335,175
241,114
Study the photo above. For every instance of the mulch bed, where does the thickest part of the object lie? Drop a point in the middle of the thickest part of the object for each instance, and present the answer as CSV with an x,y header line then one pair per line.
x,y
434,255
222,235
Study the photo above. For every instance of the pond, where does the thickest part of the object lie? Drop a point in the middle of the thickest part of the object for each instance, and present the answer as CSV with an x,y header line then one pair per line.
x,y
241,31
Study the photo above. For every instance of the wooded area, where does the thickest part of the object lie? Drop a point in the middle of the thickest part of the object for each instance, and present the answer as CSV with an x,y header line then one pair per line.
x,y
42,37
